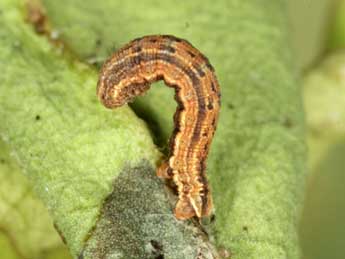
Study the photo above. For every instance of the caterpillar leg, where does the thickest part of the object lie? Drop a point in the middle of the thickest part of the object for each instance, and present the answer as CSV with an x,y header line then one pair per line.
x,y
193,205
184,209
164,171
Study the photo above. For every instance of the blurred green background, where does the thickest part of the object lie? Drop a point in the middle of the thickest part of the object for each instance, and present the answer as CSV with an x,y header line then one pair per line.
x,y
318,29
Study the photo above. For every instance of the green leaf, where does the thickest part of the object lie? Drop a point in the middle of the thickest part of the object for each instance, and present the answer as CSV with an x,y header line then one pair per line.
x,y
69,146
85,154
25,226
325,105
309,22
322,227
336,38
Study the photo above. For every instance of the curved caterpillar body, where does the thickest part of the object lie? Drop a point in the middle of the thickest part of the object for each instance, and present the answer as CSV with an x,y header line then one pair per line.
x,y
129,72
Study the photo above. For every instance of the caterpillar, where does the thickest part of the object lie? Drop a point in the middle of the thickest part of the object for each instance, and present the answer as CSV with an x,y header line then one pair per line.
x,y
130,71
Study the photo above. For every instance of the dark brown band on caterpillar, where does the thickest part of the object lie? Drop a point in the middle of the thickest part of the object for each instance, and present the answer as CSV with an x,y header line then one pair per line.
x,y
129,73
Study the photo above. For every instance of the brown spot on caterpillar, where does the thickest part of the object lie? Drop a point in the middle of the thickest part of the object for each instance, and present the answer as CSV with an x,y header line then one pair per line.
x,y
191,54
210,105
136,60
213,87
210,67
168,48
214,122
170,172
129,72
137,49
200,71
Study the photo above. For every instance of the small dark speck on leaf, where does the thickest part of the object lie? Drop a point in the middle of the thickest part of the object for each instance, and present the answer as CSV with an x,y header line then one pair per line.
x,y
230,106
55,78
288,123
98,43
245,228
38,117
2,161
